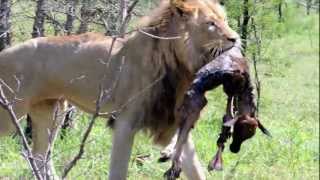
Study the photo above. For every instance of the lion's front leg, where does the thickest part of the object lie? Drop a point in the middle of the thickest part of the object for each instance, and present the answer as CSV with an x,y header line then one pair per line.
x,y
123,137
191,165
168,151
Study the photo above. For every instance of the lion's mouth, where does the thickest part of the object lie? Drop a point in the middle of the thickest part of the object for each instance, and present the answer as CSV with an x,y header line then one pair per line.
x,y
227,49
217,51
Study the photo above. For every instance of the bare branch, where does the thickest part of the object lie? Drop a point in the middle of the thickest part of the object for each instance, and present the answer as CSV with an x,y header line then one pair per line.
x,y
256,56
102,98
58,120
78,156
127,17
122,15
57,25
158,37
7,105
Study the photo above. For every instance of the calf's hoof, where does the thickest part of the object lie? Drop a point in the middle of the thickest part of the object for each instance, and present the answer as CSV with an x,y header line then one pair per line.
x,y
173,173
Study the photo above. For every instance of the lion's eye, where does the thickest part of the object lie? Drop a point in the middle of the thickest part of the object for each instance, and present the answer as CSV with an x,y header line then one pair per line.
x,y
211,26
211,23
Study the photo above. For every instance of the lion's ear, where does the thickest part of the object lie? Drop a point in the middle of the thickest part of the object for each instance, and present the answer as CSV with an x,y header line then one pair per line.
x,y
181,7
218,1
174,2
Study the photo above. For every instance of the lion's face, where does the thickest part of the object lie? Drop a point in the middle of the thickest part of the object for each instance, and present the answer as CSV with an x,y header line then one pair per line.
x,y
212,35
207,26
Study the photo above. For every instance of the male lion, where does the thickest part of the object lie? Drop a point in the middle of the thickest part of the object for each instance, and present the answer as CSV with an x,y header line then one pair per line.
x,y
145,77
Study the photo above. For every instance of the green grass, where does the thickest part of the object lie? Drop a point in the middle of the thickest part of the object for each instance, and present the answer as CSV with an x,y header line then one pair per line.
x,y
289,73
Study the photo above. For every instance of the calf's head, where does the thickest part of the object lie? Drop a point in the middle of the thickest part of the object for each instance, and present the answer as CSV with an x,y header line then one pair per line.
x,y
244,127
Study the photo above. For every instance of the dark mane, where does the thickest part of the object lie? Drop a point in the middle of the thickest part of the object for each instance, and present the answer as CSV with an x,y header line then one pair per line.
x,y
167,58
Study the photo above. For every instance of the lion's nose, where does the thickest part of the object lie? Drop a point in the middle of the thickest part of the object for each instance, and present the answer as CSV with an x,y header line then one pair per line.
x,y
232,40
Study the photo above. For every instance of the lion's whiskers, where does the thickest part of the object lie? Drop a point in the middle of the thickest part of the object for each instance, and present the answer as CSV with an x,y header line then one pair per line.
x,y
210,45
220,51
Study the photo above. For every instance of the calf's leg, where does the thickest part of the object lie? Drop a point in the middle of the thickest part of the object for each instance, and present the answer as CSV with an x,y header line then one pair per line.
x,y
190,163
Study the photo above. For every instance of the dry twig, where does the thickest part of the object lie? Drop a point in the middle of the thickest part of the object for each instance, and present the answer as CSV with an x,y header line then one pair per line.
x,y
256,56
78,156
101,99
53,132
8,106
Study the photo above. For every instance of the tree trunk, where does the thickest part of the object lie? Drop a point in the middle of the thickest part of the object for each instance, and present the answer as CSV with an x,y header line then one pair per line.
x,y
85,14
4,24
70,16
238,22
38,25
308,6
280,16
245,22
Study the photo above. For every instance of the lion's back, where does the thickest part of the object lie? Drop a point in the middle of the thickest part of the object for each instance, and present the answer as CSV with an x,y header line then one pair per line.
x,y
82,38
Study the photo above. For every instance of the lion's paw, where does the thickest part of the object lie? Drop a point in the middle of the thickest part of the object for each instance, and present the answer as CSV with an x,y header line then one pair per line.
x,y
166,155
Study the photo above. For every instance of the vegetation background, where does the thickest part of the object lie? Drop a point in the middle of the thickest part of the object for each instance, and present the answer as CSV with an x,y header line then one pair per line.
x,y
280,36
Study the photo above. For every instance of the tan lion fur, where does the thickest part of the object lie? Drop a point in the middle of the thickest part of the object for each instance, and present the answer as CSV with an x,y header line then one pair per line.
x,y
145,78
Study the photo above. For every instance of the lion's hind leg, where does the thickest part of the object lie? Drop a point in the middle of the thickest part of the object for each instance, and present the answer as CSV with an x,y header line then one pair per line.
x,y
6,125
46,117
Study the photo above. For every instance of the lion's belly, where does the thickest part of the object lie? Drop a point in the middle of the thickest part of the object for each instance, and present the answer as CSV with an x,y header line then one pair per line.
x,y
79,80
